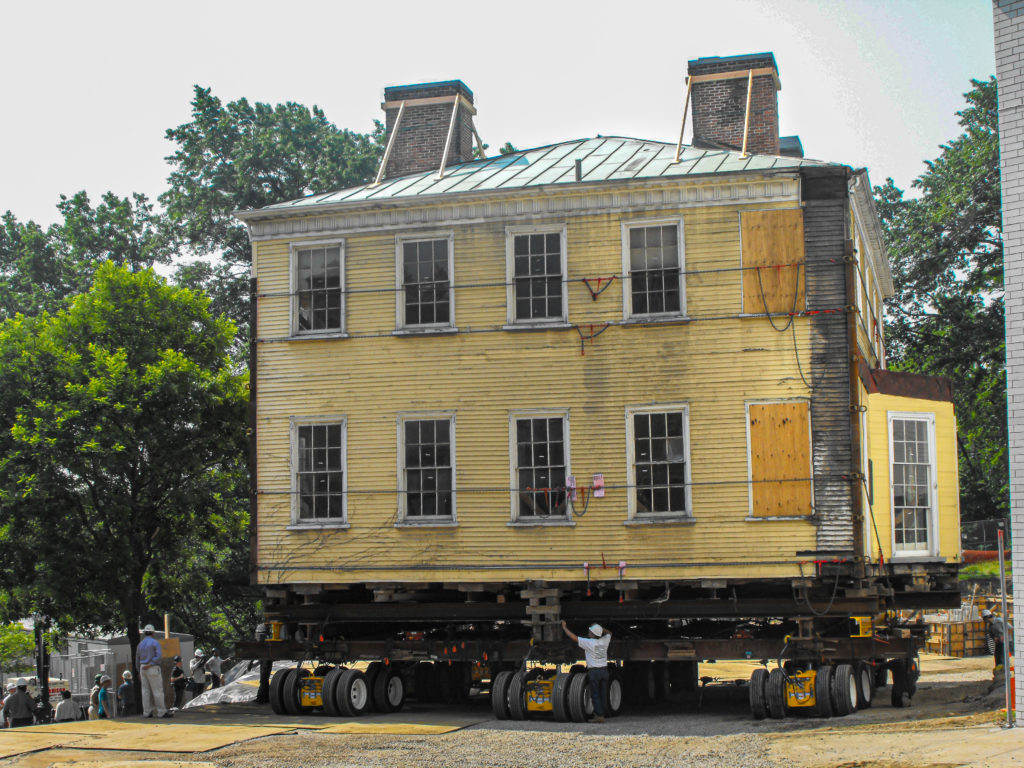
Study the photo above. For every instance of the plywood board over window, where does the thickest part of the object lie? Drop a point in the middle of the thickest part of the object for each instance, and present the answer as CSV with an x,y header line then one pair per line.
x,y
773,261
780,460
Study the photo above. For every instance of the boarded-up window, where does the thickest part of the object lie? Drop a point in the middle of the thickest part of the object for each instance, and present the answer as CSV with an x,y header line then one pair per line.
x,y
780,463
773,261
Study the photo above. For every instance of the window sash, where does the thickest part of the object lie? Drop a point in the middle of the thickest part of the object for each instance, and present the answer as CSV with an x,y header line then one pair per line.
x,y
427,468
541,466
659,463
654,269
912,481
537,276
319,294
426,282
319,475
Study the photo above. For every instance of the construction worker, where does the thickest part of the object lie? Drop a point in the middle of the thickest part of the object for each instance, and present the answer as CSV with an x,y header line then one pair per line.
x,y
595,648
19,706
996,628
147,656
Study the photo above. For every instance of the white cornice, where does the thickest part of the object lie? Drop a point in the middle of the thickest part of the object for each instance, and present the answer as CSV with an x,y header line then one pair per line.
x,y
524,204
867,216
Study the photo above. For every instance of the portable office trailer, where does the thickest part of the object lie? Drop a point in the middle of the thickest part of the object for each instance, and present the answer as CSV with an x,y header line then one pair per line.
x,y
607,379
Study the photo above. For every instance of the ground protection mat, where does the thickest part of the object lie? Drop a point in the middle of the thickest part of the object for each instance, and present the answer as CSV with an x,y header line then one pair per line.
x,y
17,741
174,738
392,729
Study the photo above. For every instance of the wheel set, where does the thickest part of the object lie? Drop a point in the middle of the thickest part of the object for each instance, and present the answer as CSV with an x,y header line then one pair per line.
x,y
339,691
567,696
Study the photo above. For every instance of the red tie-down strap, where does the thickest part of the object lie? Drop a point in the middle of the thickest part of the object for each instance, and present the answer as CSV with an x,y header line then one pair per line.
x,y
602,285
585,337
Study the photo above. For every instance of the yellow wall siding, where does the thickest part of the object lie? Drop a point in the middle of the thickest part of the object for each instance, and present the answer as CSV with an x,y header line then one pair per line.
x,y
482,373
947,477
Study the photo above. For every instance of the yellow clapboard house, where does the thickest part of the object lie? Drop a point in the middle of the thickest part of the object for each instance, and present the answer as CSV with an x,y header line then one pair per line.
x,y
612,366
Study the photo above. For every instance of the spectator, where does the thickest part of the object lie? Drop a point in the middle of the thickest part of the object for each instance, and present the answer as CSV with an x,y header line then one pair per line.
x,y
5,721
213,666
67,710
107,708
94,698
147,656
126,696
197,671
18,707
996,629
178,682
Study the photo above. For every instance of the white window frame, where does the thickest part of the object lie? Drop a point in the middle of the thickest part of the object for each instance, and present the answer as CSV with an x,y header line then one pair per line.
x,y
627,281
510,294
293,288
933,499
751,518
302,421
403,520
400,241
631,512
513,458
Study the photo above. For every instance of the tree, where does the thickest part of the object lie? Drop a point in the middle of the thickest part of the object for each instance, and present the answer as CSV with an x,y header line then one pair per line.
x,y
946,317
125,418
243,155
16,648
40,268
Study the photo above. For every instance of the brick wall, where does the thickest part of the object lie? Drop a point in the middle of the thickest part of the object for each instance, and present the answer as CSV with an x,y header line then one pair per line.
x,y
1009,38
719,106
419,145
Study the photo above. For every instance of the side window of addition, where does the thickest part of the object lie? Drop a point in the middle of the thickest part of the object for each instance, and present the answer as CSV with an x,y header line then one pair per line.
x,y
319,288
536,275
425,283
653,262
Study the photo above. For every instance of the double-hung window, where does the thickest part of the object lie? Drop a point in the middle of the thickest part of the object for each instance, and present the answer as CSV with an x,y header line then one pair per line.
x,y
912,452
536,275
319,285
427,469
319,481
540,452
658,462
652,258
425,298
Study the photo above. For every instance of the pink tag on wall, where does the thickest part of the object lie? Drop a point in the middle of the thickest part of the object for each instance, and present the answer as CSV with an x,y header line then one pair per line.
x,y
570,484
599,486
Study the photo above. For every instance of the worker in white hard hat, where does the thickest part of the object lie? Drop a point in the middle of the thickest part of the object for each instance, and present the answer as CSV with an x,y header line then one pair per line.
x,y
197,671
147,656
595,648
18,707
996,628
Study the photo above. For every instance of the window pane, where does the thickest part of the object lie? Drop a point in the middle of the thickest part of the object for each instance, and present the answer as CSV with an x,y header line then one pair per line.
x,y
659,456
319,300
541,470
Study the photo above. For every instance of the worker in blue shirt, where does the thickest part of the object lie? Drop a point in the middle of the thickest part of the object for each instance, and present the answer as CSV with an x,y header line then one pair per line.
x,y
147,656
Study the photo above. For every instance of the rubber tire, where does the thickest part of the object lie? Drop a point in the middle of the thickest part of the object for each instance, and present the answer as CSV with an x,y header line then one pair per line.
x,y
844,691
346,696
823,691
881,675
388,686
776,693
559,698
290,693
616,693
328,692
277,689
865,685
517,697
372,670
579,689
499,694
758,700
901,693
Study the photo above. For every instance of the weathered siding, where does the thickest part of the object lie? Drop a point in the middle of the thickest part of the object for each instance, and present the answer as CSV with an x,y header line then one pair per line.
x,y
715,364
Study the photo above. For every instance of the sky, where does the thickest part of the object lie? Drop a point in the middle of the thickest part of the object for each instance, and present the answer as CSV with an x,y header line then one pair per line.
x,y
90,88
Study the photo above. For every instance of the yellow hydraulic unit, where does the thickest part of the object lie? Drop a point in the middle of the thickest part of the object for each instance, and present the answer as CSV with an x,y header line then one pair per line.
x,y
863,626
538,694
311,692
800,689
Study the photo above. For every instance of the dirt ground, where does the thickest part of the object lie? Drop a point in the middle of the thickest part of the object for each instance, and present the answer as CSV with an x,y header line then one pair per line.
x,y
954,721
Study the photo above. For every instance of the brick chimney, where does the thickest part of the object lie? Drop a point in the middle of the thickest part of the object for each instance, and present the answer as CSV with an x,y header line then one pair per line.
x,y
423,130
718,96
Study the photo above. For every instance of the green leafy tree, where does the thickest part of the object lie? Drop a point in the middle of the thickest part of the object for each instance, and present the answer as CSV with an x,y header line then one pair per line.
x,y
248,155
16,649
946,317
124,419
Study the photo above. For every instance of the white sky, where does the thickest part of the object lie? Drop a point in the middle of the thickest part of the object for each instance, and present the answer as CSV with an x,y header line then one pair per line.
x,y
90,87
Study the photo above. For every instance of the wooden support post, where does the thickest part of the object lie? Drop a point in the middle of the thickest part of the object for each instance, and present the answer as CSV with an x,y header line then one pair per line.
x,y
746,118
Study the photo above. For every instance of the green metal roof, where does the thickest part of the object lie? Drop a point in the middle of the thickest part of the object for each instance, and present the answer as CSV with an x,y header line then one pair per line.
x,y
605,158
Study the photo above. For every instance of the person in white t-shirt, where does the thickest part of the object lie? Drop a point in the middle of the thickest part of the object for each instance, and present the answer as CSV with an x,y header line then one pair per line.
x,y
595,648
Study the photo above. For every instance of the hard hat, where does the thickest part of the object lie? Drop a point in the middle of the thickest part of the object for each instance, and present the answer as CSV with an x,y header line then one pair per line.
x,y
11,687
596,630
22,682
149,629
177,658
126,675
199,652
105,679
97,678
986,613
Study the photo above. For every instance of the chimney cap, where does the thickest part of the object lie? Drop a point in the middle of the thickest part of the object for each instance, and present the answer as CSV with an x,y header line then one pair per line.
x,y
743,60
419,90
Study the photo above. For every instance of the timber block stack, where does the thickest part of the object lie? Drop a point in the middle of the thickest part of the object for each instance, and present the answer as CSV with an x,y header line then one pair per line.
x,y
544,612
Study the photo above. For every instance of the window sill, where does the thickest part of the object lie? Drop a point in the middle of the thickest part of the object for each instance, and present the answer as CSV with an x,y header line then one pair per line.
x,y
559,325
426,524
442,331
643,320
558,523
318,526
666,520
313,336
916,558
778,517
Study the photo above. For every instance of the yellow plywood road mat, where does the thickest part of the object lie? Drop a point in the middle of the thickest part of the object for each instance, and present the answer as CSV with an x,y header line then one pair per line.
x,y
15,741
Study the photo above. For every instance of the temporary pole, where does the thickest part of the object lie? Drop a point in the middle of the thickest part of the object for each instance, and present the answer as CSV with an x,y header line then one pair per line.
x,y
746,119
682,128
1006,633
391,144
